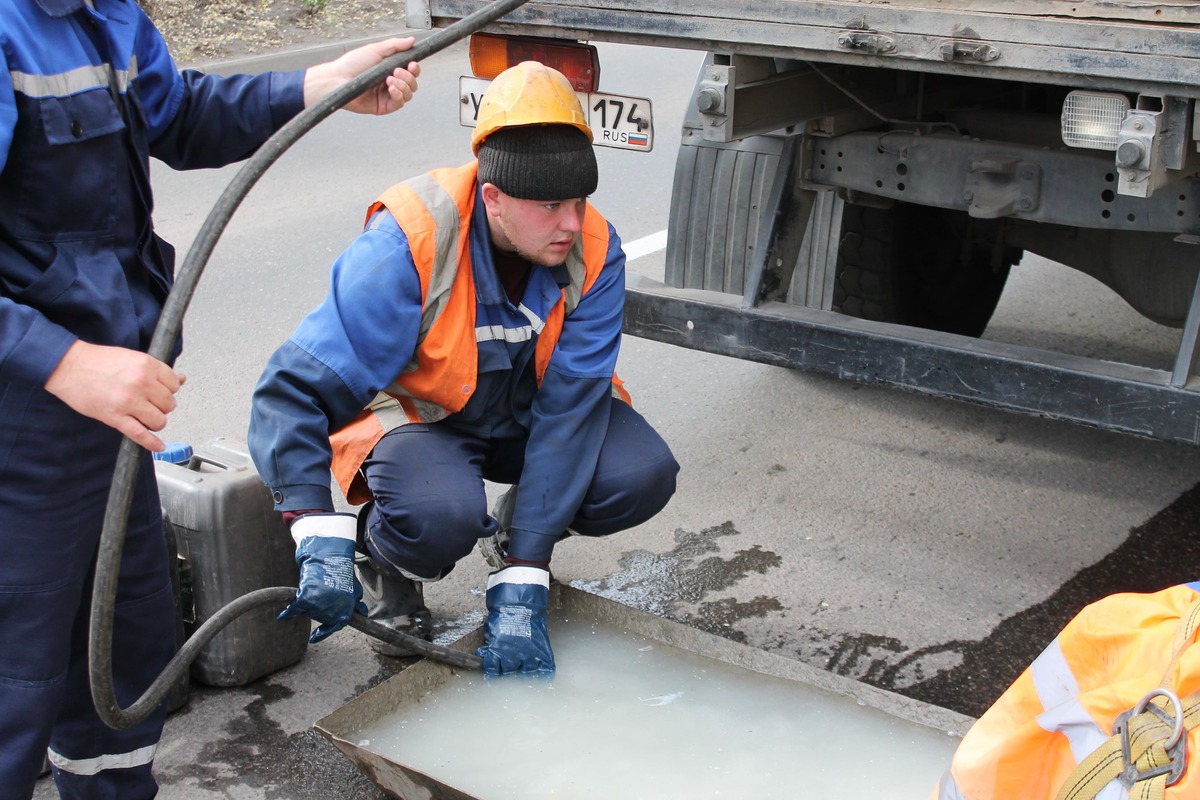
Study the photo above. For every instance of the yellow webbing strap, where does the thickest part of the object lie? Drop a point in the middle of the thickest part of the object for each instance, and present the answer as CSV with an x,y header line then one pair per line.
x,y
1148,733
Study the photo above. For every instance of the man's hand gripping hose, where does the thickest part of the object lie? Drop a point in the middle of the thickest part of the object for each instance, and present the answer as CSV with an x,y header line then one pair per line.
x,y
116,515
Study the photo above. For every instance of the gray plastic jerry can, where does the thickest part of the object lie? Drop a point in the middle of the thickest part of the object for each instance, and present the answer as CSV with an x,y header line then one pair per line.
x,y
231,541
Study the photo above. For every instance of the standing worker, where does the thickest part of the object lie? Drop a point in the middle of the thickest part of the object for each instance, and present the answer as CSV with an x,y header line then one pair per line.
x,y
470,334
88,92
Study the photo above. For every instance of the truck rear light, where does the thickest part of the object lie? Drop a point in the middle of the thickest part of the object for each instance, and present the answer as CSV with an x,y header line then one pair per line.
x,y
1093,119
491,55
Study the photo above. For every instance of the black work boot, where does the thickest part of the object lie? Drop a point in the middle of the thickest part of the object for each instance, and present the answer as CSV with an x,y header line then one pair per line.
x,y
395,602
392,600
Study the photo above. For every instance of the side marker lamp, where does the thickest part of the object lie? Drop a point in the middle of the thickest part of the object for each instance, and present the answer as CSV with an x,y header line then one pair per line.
x,y
1093,119
490,55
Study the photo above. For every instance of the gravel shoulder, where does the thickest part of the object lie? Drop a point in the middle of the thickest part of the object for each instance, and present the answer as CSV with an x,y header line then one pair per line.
x,y
201,31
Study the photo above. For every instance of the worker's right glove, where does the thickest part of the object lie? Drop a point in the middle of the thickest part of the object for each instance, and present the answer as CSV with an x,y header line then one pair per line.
x,y
329,590
515,636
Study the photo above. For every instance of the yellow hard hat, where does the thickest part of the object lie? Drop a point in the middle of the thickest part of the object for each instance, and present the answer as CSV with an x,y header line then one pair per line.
x,y
528,94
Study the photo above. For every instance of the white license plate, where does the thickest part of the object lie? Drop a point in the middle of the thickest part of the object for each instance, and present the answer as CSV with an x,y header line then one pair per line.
x,y
615,120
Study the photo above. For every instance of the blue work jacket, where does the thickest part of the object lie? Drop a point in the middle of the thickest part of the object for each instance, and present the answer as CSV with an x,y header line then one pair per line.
x,y
87,95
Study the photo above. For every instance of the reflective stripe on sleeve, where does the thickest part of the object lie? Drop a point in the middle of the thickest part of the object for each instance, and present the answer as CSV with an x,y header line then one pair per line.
x,y
94,766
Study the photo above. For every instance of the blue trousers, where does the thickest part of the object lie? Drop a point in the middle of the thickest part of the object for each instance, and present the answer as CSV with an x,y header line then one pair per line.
x,y
431,507
56,468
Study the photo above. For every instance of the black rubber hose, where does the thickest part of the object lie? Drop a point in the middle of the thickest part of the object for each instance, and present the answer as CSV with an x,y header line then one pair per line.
x,y
116,514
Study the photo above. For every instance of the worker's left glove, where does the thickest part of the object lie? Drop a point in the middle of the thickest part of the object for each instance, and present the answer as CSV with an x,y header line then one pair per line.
x,y
515,637
329,590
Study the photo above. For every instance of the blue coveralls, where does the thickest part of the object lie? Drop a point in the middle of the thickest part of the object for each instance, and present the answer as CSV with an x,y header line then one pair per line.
x,y
79,260
605,468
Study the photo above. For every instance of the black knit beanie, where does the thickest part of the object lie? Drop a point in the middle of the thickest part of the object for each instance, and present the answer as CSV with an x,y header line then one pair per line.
x,y
539,162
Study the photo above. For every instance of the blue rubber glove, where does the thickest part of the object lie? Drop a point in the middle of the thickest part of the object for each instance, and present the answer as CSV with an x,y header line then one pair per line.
x,y
329,590
515,637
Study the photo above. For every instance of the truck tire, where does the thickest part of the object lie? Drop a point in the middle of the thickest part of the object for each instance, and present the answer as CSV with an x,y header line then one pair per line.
x,y
926,267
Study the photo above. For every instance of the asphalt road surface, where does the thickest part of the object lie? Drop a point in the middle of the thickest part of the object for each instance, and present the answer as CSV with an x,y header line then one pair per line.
x,y
923,546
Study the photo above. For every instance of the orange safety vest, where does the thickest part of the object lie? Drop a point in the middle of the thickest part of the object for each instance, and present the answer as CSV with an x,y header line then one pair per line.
x,y
434,211
1051,734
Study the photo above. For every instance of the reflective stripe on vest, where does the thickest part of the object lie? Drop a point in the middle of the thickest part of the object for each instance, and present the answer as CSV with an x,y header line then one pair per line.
x,y
434,211
1062,709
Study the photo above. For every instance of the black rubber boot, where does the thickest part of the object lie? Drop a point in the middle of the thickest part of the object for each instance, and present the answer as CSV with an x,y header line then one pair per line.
x,y
394,601
391,600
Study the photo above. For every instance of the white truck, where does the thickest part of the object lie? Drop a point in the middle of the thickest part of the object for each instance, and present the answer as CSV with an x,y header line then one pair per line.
x,y
856,178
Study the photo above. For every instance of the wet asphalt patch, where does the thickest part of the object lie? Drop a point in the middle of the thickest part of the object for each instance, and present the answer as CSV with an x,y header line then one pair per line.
x,y
256,753
1164,551
962,675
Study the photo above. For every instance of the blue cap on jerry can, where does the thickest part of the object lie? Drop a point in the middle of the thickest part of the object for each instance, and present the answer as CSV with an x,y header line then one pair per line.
x,y
175,453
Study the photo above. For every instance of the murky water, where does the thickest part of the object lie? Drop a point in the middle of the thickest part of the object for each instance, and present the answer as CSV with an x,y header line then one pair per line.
x,y
629,717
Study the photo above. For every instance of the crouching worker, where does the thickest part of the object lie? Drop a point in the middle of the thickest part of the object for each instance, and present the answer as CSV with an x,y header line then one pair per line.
x,y
470,334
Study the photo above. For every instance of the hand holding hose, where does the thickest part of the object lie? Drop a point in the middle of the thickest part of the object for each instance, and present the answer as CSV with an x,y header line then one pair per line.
x,y
387,96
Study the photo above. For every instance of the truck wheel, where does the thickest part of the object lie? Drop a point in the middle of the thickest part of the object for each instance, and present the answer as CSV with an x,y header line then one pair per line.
x,y
926,267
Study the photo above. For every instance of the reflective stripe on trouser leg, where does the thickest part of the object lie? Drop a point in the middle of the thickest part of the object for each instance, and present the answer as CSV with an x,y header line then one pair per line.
x,y
90,759
55,473
91,766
